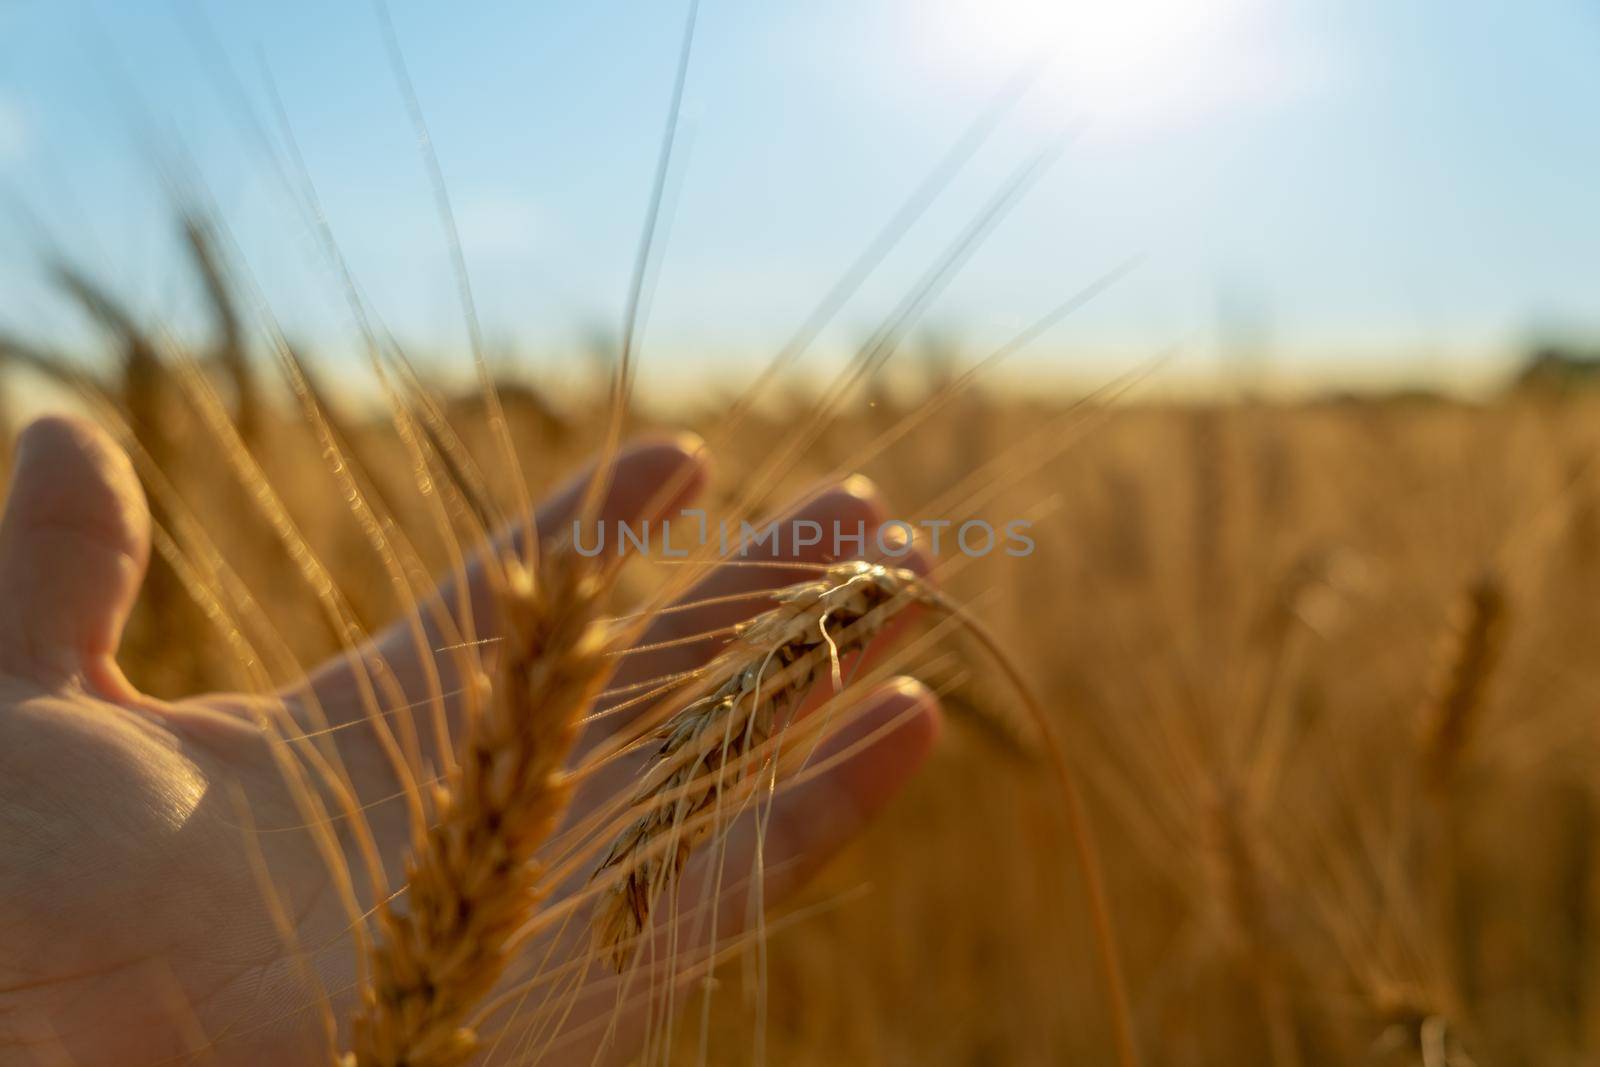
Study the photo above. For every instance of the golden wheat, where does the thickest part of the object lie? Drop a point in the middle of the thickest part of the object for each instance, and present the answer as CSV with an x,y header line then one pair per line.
x,y
443,944
781,653
1470,650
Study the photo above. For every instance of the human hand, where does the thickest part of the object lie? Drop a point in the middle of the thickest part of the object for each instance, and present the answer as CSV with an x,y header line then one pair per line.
x,y
135,925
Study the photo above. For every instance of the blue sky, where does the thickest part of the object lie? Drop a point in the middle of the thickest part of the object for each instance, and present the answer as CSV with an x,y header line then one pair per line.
x,y
1360,186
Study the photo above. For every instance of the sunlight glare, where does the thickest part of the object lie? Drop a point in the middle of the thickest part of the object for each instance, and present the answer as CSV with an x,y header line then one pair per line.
x,y
1125,63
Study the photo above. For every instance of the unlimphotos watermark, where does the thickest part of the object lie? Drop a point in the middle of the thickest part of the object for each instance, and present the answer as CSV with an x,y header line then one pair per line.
x,y
894,538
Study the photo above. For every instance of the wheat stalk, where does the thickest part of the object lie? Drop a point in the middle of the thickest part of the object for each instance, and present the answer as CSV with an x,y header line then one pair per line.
x,y
474,880
1470,653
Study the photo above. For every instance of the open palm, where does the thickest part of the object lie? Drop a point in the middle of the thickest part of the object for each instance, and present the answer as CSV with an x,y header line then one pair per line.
x,y
135,926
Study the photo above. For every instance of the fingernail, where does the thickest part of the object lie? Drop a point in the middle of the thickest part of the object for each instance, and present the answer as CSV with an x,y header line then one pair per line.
x,y
861,487
690,443
895,538
909,688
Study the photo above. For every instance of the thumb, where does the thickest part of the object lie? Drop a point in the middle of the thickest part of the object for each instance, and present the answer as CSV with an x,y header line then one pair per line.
x,y
74,543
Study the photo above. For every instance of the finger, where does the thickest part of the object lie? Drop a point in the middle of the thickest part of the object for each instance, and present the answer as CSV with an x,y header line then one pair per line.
x,y
849,779
74,546
860,770
650,478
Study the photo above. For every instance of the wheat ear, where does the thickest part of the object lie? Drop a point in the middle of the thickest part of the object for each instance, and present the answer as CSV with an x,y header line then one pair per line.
x,y
474,880
1467,662
780,654
1470,654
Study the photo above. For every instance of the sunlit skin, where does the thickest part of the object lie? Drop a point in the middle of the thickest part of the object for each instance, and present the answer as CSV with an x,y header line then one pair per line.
x,y
133,924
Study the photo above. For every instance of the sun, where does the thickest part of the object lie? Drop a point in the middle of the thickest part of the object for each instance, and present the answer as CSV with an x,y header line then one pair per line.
x,y
1120,62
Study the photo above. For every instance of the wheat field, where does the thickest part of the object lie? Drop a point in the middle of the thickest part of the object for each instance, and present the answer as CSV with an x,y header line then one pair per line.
x,y
1321,667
